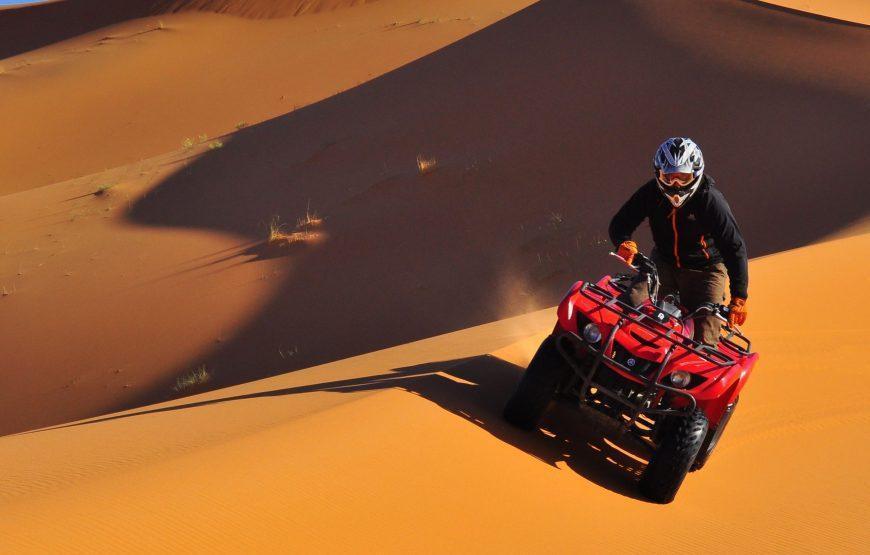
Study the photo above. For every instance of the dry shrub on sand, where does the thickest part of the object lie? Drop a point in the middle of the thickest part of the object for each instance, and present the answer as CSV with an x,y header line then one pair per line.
x,y
192,379
304,231
426,165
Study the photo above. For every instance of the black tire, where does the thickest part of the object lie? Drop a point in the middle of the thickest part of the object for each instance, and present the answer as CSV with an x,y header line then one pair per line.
x,y
713,437
680,443
537,387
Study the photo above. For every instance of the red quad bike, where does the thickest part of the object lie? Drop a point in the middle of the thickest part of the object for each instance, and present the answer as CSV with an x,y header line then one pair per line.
x,y
639,365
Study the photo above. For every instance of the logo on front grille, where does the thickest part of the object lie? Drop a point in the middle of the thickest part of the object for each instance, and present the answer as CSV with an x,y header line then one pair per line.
x,y
631,362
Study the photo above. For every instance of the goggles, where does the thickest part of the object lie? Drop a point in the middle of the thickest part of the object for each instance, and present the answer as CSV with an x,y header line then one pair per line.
x,y
677,179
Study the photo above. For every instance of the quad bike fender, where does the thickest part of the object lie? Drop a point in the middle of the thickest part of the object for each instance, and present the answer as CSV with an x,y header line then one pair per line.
x,y
713,400
567,310
574,303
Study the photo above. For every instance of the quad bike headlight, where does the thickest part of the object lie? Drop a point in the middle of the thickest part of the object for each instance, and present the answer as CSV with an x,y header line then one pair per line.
x,y
680,378
591,333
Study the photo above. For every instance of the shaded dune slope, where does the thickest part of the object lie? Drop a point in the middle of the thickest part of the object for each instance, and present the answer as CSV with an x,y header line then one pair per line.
x,y
406,449
145,300
29,27
541,124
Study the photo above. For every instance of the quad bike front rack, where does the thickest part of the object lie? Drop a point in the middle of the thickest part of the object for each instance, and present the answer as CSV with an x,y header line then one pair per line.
x,y
608,301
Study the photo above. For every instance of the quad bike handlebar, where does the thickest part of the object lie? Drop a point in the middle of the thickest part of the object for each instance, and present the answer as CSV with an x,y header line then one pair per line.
x,y
643,265
645,268
718,311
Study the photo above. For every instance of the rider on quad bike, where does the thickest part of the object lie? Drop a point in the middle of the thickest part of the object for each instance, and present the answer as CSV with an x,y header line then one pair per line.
x,y
695,234
627,347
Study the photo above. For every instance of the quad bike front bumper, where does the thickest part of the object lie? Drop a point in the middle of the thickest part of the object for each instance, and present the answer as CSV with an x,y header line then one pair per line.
x,y
644,402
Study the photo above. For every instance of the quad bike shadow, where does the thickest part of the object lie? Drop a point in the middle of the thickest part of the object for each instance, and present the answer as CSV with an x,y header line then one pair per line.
x,y
475,388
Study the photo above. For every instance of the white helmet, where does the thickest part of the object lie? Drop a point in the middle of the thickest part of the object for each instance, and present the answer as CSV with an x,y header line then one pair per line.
x,y
679,155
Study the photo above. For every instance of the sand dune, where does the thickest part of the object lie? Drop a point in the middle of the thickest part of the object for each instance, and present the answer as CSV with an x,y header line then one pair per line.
x,y
169,271
447,166
138,81
32,26
404,449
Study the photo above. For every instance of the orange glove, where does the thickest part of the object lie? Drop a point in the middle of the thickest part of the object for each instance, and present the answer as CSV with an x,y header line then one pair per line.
x,y
627,250
737,312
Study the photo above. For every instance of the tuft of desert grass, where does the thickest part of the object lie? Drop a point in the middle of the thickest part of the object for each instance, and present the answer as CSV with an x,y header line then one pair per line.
x,y
187,143
303,232
426,164
278,235
309,221
214,145
241,125
192,379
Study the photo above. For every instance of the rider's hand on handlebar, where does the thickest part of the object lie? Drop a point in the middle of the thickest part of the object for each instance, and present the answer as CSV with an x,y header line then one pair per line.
x,y
627,250
736,312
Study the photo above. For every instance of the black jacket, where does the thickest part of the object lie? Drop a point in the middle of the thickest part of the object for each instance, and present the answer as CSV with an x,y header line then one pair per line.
x,y
699,233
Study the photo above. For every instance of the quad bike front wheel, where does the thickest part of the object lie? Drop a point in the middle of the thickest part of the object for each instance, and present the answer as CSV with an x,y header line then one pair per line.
x,y
681,441
712,438
537,387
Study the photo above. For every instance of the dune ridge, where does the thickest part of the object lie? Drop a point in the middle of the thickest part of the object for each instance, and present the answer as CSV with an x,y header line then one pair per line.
x,y
846,11
255,9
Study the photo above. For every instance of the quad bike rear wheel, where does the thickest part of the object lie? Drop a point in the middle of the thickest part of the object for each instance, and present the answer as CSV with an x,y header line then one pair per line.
x,y
537,387
712,438
681,441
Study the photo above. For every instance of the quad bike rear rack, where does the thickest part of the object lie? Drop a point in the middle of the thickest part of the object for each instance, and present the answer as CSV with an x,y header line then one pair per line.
x,y
569,342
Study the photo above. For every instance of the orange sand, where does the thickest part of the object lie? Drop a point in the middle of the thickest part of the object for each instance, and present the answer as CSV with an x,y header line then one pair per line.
x,y
404,450
857,11
146,147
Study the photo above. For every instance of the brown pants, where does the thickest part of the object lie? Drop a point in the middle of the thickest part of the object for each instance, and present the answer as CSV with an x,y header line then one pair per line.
x,y
694,287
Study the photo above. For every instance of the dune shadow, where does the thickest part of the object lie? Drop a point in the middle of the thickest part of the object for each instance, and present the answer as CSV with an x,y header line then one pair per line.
x,y
476,389
29,27
32,26
539,132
